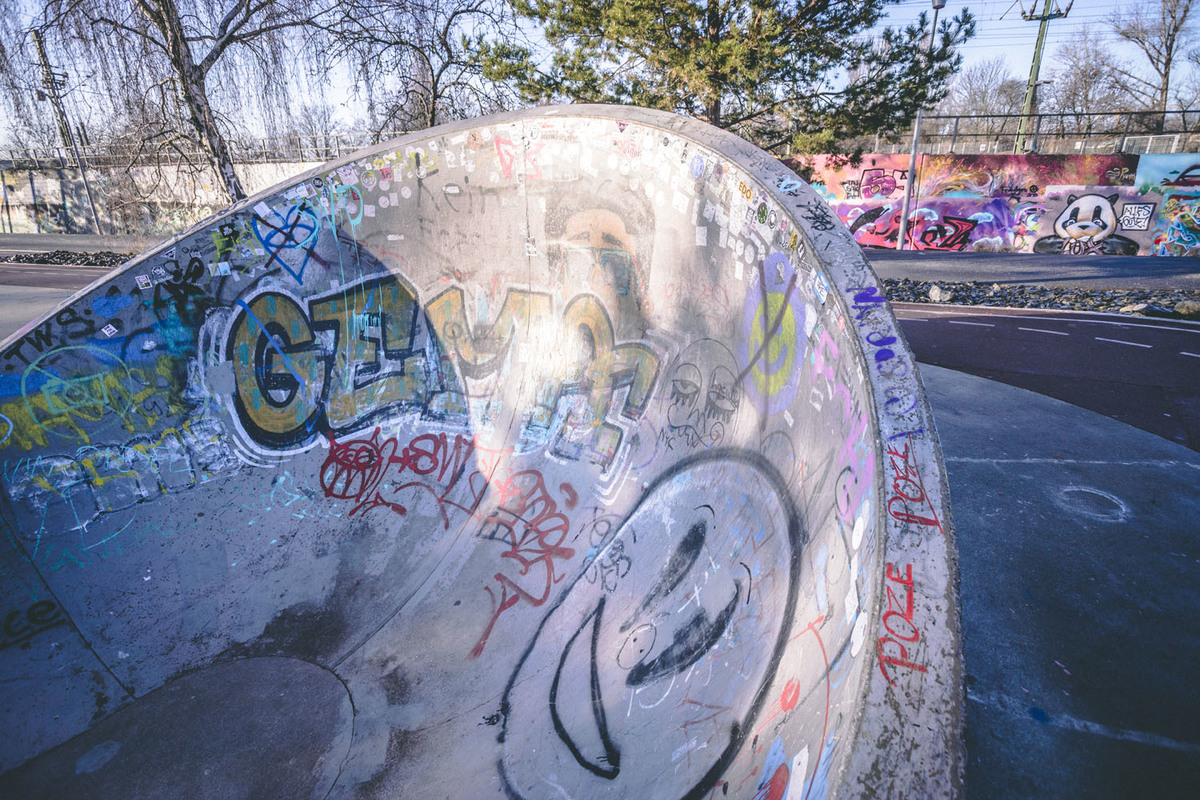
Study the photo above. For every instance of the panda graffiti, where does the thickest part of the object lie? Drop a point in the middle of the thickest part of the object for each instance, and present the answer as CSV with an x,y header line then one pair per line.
x,y
1087,226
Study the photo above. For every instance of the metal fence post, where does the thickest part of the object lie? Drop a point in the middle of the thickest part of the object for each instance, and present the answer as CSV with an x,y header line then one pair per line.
x,y
7,209
33,191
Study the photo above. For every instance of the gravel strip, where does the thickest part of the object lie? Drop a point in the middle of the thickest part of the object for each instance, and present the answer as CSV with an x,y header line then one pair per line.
x,y
1177,304
104,258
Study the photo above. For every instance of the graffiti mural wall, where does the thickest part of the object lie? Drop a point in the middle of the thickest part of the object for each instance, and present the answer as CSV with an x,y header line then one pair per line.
x,y
1068,205
581,445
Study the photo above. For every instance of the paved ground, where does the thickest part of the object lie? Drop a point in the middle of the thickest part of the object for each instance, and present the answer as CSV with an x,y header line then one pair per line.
x,y
1144,372
1080,582
1079,559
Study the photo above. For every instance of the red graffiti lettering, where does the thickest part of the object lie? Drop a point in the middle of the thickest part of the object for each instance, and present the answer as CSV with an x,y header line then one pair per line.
x,y
909,502
898,623
533,530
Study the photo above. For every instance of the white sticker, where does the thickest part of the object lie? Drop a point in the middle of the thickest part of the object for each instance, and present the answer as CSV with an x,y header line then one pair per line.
x,y
795,787
788,418
737,270
262,209
144,282
369,210
701,236
108,330
857,635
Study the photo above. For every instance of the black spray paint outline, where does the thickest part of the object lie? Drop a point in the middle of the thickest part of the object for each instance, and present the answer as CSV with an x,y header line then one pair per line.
x,y
796,537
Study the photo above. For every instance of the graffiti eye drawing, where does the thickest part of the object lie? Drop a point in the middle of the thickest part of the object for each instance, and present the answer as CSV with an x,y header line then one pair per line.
x,y
684,391
723,396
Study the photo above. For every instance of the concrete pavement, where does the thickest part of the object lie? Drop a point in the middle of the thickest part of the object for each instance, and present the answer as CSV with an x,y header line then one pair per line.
x,y
1080,585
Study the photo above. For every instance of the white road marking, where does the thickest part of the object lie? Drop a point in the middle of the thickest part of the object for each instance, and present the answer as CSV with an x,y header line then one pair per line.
x,y
1078,461
976,324
1183,327
1021,709
1186,353
1043,330
1121,341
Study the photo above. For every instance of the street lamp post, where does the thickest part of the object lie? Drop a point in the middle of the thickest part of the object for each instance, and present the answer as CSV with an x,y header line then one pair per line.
x,y
938,5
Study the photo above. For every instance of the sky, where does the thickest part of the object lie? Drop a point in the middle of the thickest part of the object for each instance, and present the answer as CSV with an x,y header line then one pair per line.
x,y
1000,30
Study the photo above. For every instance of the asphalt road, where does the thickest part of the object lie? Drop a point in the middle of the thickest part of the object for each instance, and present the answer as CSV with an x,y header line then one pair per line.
x,y
1144,372
49,276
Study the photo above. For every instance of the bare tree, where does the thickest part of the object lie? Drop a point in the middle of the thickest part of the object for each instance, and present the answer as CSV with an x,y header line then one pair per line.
x,y
1161,35
166,60
986,89
1081,81
417,62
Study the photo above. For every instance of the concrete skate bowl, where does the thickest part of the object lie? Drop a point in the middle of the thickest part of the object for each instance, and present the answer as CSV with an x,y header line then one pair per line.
x,y
566,453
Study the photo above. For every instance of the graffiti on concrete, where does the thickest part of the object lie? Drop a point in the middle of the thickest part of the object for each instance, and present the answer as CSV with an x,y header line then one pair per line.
x,y
681,648
600,433
1053,205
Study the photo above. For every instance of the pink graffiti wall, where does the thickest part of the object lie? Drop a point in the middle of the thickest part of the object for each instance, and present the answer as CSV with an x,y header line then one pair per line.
x,y
1069,205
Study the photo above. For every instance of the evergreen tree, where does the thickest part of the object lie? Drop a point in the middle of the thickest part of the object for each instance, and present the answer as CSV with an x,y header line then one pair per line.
x,y
775,71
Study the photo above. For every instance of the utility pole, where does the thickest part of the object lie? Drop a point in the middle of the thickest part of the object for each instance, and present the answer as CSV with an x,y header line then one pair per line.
x,y
1031,87
53,82
906,207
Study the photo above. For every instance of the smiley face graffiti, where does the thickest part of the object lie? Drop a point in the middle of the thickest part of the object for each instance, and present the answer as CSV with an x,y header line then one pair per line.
x,y
677,649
